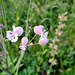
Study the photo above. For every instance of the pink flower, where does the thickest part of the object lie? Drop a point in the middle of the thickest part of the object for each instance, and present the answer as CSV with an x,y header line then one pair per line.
x,y
24,42
43,39
30,44
18,30
38,29
13,35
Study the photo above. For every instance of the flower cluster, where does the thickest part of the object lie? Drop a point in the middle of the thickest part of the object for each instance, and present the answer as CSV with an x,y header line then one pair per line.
x,y
43,39
53,46
1,37
53,61
13,35
3,56
63,17
18,31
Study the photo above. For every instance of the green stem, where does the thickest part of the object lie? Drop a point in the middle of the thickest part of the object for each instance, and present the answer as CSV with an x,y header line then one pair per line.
x,y
21,56
48,72
5,22
9,56
11,59
27,18
19,60
4,15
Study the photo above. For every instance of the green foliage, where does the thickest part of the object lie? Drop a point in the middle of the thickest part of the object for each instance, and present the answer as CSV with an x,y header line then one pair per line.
x,y
36,57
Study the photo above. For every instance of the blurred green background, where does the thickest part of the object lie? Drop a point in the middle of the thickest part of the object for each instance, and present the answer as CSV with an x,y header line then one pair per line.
x,y
42,12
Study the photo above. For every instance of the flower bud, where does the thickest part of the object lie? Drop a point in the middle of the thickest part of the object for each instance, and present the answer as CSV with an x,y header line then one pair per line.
x,y
24,41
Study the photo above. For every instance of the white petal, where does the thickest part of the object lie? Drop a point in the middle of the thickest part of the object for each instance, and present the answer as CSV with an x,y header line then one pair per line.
x,y
13,37
22,47
14,28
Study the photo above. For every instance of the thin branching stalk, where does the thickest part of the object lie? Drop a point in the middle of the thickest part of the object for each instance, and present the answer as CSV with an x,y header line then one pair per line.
x,y
32,38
